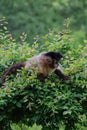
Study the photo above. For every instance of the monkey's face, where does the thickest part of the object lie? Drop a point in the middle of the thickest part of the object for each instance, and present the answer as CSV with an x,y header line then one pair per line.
x,y
50,62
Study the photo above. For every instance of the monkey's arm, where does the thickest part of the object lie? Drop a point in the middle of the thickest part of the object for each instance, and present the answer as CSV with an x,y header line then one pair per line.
x,y
11,70
61,75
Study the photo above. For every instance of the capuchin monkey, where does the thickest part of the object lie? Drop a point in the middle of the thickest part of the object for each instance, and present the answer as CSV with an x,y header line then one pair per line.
x,y
45,63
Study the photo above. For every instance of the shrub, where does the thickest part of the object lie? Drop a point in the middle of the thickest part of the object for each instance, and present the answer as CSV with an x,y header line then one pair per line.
x,y
25,127
55,103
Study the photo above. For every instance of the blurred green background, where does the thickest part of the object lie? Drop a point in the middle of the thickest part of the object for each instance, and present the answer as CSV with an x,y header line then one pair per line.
x,y
37,17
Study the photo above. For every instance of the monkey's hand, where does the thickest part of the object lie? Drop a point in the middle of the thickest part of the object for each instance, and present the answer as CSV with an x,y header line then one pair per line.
x,y
66,77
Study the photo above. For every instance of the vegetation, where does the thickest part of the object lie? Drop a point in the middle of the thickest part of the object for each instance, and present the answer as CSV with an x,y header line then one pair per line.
x,y
25,127
25,103
55,105
40,16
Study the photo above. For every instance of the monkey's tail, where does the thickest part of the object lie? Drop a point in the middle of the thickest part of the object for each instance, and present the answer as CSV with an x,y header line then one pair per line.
x,y
11,70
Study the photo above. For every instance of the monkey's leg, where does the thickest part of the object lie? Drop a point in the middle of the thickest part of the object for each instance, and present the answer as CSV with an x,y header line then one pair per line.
x,y
61,74
41,77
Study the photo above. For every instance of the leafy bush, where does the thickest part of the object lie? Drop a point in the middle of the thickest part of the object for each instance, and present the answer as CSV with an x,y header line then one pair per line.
x,y
25,127
55,103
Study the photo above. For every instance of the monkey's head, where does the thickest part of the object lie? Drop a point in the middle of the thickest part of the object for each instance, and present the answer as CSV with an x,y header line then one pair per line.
x,y
52,59
54,55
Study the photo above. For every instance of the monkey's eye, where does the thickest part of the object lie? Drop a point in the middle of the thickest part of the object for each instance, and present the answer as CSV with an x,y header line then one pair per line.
x,y
49,60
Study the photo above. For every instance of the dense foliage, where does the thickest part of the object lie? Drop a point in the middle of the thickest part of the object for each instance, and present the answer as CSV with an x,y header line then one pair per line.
x,y
40,16
25,127
56,104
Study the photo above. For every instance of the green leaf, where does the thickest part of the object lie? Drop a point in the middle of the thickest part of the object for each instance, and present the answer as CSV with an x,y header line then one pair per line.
x,y
67,112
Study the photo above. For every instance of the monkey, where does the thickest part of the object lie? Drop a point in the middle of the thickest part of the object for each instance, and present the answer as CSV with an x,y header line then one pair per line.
x,y
45,63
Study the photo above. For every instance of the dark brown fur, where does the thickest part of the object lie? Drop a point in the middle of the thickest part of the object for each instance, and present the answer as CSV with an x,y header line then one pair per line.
x,y
61,74
11,70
